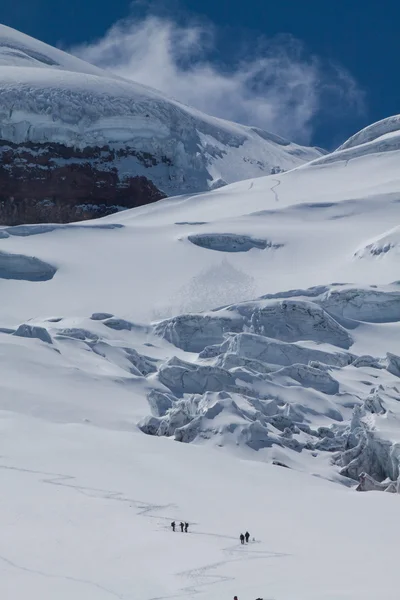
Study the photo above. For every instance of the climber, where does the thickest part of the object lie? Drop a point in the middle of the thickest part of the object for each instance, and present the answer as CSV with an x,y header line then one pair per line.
x,y
186,527
182,525
247,536
241,538
173,525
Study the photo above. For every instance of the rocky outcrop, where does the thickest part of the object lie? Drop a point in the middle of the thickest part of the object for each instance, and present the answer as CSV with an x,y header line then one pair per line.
x,y
59,184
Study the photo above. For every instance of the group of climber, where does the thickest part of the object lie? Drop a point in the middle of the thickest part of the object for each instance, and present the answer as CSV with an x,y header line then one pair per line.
x,y
184,526
246,537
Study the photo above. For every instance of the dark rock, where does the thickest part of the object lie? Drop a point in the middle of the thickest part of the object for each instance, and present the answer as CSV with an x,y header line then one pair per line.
x,y
51,182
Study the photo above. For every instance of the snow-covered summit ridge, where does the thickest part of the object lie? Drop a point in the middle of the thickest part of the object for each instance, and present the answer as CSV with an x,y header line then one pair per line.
x,y
382,136
383,129
20,50
48,96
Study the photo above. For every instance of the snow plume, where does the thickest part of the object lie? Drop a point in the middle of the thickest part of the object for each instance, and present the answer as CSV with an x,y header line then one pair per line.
x,y
276,87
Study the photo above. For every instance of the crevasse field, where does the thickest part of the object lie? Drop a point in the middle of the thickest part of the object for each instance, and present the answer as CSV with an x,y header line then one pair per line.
x,y
230,359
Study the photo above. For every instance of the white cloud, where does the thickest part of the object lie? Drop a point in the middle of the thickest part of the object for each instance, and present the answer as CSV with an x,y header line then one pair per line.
x,y
279,89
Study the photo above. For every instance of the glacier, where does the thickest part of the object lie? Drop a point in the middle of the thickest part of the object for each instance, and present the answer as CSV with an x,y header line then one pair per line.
x,y
59,113
228,358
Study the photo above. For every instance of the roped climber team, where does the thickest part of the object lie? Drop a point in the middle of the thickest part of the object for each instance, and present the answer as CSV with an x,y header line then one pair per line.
x,y
246,537
184,526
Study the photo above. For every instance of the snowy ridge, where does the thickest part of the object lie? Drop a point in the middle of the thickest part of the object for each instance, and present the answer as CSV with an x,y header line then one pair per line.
x,y
48,96
383,136
20,50
385,128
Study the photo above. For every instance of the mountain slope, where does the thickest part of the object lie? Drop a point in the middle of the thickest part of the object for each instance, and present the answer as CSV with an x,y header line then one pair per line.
x,y
257,325
77,142
281,288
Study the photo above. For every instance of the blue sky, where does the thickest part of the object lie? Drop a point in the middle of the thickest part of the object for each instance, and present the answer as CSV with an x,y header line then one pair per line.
x,y
355,43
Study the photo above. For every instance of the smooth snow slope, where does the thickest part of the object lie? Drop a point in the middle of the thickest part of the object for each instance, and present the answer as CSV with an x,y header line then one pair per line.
x,y
48,96
259,325
90,520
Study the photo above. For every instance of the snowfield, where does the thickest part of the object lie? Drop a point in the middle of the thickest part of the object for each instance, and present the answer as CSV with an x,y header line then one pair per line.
x,y
231,359
91,520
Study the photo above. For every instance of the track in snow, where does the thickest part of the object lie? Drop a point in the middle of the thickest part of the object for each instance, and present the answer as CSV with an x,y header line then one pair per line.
x,y
200,577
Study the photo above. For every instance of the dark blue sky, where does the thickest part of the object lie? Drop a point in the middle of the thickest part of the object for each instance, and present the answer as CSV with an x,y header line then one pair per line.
x,y
361,35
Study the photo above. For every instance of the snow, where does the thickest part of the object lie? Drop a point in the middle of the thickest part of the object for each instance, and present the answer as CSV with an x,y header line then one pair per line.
x,y
18,49
381,129
165,380
82,496
160,374
380,137
388,242
48,96
27,331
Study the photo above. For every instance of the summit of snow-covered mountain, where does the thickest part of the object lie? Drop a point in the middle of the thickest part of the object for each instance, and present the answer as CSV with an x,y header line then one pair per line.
x,y
20,50
380,137
385,130
63,118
